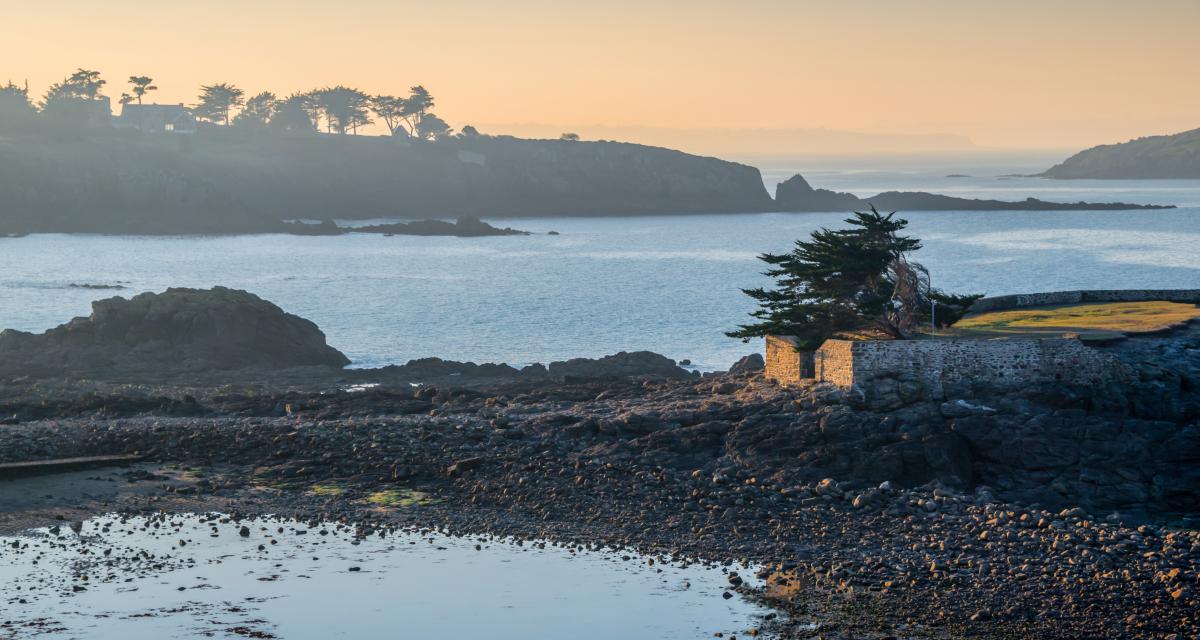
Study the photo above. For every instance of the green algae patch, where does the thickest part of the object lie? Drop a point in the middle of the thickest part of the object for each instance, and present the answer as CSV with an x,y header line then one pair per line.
x,y
399,498
327,489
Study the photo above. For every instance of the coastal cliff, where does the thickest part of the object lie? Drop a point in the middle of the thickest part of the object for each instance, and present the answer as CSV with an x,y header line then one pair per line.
x,y
1174,156
231,182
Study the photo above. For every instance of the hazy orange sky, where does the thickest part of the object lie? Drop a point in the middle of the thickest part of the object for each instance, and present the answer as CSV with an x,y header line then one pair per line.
x,y
1048,74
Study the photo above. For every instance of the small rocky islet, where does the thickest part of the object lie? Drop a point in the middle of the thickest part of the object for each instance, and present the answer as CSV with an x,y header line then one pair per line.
x,y
1056,510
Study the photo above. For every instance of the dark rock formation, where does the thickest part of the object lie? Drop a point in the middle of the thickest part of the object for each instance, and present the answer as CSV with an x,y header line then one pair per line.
x,y
465,227
178,331
1153,157
620,365
436,369
749,364
638,364
795,194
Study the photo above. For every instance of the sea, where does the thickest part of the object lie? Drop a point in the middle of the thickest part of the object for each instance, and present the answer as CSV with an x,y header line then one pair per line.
x,y
669,284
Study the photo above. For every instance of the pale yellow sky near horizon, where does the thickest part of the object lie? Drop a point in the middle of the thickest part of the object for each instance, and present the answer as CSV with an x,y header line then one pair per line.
x,y
1015,74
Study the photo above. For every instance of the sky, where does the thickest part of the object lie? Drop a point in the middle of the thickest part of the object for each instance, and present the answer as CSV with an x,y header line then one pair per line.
x,y
1016,74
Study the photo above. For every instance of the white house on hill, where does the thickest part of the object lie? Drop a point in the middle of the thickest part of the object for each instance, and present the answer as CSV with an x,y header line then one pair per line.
x,y
156,118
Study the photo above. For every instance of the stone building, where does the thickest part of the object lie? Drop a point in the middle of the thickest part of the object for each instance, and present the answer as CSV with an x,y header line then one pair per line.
x,y
1003,362
938,363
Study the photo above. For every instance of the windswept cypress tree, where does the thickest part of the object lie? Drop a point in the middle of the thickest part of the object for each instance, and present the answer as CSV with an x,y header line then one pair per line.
x,y
853,280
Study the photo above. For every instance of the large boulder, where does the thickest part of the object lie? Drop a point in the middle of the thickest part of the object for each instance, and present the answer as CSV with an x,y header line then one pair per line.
x,y
177,331
752,363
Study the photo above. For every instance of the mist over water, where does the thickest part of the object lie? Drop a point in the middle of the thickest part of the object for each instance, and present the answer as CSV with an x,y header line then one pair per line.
x,y
668,284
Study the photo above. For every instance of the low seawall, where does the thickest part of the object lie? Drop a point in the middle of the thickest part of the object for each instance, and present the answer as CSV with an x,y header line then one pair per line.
x,y
1021,300
939,363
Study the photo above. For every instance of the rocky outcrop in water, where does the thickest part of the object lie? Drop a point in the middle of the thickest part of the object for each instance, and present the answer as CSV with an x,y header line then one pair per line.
x,y
464,227
796,194
169,333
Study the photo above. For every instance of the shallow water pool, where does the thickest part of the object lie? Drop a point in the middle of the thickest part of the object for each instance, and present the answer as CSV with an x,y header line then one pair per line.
x,y
204,576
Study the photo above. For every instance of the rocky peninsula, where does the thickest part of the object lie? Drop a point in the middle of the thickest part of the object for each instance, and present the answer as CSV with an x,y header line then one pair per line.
x,y
1175,156
796,194
224,182
218,181
1051,511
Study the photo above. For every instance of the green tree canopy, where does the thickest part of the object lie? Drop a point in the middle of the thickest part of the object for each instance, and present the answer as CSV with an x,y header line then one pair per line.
x,y
853,280
416,106
16,111
345,109
259,110
432,127
390,109
296,112
81,85
76,100
216,101
141,86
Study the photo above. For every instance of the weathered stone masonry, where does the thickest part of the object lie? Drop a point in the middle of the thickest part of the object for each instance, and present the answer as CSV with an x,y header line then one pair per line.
x,y
783,360
997,362
937,363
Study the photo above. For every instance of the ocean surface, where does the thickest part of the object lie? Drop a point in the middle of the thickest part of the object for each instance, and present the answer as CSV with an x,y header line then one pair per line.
x,y
669,284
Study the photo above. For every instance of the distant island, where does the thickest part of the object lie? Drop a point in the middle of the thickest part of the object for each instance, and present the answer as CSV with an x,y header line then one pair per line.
x,y
465,227
796,195
1174,156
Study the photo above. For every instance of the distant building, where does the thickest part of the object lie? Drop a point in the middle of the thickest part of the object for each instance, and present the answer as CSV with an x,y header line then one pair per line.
x,y
156,118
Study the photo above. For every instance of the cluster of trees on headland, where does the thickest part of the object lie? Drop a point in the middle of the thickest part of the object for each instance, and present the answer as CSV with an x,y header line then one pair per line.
x,y
338,109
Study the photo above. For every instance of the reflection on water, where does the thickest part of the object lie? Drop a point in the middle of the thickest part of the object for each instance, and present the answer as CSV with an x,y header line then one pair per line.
x,y
204,576
669,283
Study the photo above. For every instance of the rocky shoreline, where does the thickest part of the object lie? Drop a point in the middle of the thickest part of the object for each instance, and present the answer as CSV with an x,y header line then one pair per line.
x,y
1053,510
721,468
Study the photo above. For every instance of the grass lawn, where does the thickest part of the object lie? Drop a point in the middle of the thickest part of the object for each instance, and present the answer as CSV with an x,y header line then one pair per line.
x,y
1090,321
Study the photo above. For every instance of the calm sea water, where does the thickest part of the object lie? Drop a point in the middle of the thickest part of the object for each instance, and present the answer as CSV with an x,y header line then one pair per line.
x,y
667,284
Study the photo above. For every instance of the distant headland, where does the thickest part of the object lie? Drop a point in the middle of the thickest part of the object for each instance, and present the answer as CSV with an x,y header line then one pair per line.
x,y
795,194
1174,156
234,163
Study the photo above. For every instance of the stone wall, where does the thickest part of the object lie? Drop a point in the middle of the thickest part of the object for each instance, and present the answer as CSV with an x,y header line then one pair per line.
x,y
937,363
1011,361
834,362
783,360
1020,300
